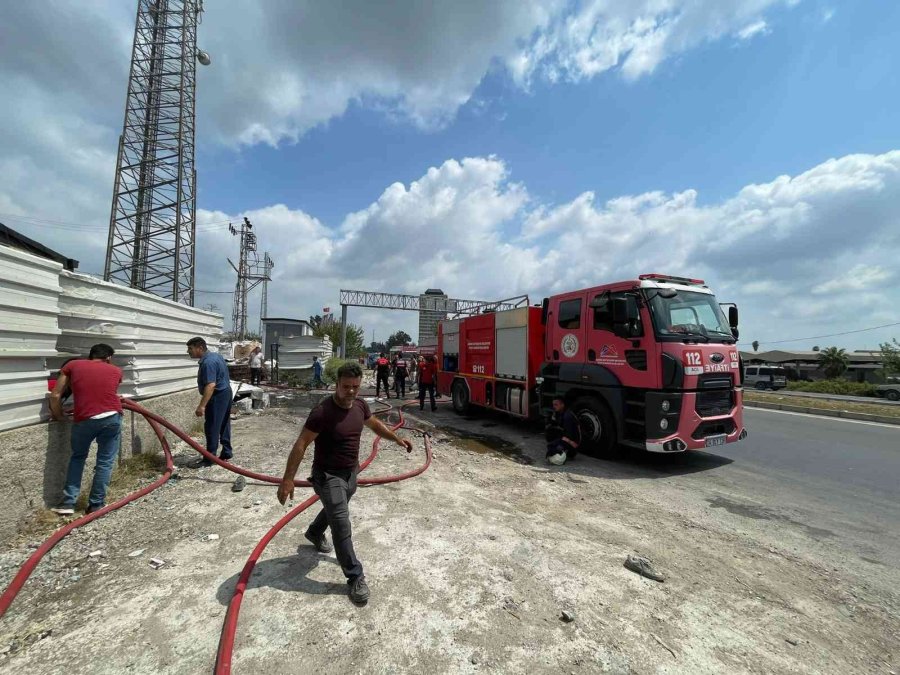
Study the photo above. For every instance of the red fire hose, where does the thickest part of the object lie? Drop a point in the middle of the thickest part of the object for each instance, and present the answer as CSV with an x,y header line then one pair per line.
x,y
229,627
226,644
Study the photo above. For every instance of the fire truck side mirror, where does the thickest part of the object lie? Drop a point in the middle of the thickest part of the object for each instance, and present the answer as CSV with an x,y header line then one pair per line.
x,y
624,309
624,315
733,316
545,307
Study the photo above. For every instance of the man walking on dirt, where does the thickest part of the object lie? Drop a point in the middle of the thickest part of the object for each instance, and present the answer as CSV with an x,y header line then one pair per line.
x,y
214,385
98,416
335,426
382,370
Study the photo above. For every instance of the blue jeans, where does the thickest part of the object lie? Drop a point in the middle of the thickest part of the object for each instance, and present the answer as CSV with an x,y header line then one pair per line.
x,y
217,423
107,432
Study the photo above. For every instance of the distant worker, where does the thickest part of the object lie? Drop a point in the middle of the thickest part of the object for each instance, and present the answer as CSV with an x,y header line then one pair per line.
x,y
256,366
98,416
335,425
214,385
401,372
317,373
563,434
427,377
382,370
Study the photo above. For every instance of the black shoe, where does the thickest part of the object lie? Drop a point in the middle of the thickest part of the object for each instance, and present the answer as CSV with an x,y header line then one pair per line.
x,y
321,543
202,463
434,408
359,590
226,459
91,509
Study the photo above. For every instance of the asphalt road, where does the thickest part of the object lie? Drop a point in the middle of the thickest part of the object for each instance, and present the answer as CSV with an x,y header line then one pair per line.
x,y
836,479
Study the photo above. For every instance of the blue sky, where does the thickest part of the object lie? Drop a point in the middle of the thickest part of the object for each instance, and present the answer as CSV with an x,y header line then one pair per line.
x,y
603,138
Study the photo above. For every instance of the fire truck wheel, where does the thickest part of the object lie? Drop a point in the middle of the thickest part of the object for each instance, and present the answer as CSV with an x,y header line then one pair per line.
x,y
598,430
460,395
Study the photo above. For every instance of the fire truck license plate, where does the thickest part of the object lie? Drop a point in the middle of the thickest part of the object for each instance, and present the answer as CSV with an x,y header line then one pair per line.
x,y
713,441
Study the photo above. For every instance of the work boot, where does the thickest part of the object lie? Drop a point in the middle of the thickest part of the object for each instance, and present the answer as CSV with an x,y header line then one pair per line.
x,y
320,543
359,590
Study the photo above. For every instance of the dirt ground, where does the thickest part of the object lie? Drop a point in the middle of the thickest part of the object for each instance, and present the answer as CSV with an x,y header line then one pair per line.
x,y
470,566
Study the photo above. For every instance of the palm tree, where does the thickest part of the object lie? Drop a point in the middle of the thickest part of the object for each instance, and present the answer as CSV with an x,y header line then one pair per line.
x,y
755,345
833,361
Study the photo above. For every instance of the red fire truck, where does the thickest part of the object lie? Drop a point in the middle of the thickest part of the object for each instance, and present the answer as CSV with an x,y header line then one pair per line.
x,y
649,363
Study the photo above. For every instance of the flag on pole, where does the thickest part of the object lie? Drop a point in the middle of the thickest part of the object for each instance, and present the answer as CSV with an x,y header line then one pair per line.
x,y
326,310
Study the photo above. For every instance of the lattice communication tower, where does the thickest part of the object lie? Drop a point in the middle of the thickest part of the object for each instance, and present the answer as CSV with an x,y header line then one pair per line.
x,y
152,224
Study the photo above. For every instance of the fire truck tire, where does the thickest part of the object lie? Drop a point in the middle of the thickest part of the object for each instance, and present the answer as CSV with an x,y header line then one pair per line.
x,y
598,429
460,395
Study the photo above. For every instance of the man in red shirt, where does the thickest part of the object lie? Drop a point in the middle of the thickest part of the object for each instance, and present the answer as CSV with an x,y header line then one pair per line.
x,y
427,375
335,425
98,416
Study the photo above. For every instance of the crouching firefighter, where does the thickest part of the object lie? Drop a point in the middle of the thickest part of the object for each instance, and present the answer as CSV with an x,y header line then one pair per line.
x,y
563,434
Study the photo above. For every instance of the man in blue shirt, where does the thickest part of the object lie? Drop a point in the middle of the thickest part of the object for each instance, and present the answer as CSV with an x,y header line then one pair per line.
x,y
317,373
214,385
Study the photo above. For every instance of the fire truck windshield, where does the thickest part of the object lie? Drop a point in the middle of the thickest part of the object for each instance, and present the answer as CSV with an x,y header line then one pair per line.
x,y
688,315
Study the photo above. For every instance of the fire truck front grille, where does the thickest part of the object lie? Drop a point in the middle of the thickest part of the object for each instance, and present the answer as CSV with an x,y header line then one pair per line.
x,y
712,403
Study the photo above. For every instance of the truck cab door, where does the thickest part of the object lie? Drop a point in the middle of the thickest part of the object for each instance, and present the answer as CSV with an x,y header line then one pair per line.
x,y
628,359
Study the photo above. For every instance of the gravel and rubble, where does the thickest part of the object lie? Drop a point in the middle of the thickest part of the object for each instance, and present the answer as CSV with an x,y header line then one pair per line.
x,y
491,561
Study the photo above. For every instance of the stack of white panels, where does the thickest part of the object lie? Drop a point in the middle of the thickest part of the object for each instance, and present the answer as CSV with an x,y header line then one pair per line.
x,y
29,292
147,332
295,353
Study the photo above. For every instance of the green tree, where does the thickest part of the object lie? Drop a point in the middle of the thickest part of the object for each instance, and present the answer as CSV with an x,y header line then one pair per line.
x,y
890,356
755,345
327,326
833,361
398,339
377,347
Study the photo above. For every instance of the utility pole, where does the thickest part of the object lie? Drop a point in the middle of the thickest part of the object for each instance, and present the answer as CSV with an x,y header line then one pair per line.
x,y
152,221
250,273
264,304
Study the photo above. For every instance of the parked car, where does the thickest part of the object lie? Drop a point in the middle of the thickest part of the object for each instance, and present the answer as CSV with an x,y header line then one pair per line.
x,y
765,377
890,391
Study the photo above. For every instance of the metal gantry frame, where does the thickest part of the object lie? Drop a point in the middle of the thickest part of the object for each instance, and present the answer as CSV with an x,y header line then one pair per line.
x,y
152,223
423,303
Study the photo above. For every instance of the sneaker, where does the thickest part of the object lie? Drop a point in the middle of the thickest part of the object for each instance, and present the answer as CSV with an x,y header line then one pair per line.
x,y
91,509
321,543
359,590
63,510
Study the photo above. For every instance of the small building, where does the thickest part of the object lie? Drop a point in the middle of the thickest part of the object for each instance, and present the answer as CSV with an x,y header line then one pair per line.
x,y
863,366
276,330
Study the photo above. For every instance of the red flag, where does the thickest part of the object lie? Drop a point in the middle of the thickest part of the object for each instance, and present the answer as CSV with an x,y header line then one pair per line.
x,y
326,310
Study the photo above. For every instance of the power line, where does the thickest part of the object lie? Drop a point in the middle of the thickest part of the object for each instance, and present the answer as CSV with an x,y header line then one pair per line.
x,y
73,226
818,337
222,292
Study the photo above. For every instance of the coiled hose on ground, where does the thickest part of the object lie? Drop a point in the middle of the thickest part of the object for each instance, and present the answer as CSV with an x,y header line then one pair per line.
x,y
158,424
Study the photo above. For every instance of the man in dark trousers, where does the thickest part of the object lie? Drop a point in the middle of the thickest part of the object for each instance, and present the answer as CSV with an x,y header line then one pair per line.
x,y
98,416
563,434
427,376
382,370
214,385
335,425
401,372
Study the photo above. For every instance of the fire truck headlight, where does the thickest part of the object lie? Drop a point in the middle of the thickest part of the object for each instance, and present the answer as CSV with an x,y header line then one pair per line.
x,y
664,424
665,406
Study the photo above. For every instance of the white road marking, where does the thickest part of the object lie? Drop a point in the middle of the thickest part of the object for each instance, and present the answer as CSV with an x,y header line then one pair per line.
x,y
826,418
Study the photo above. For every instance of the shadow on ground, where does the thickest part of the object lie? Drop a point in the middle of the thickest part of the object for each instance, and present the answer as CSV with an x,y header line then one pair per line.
x,y
523,442
289,573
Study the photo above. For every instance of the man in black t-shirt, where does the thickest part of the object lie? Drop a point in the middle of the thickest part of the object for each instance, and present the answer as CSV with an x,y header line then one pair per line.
x,y
382,370
335,425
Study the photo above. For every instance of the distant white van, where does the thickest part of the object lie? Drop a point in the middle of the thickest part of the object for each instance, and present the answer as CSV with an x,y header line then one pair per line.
x,y
765,377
